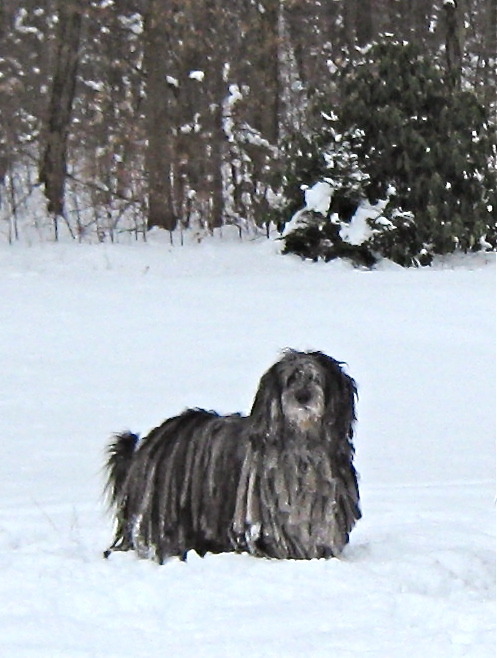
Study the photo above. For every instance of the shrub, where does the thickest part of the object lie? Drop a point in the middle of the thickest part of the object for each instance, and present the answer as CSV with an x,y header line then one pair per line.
x,y
403,132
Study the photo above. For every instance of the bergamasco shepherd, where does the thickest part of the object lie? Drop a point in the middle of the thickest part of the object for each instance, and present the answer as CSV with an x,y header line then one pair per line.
x,y
278,483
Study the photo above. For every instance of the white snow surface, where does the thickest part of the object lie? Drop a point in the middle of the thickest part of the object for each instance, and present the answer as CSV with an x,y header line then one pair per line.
x,y
99,338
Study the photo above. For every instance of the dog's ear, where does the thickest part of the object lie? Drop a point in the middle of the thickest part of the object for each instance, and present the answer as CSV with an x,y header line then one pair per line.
x,y
340,394
336,377
266,409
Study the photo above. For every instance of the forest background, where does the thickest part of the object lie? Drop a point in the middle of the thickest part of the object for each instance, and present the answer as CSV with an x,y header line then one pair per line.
x,y
199,113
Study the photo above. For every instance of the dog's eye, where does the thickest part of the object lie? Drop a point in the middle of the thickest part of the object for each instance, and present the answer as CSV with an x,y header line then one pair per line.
x,y
314,378
303,378
291,380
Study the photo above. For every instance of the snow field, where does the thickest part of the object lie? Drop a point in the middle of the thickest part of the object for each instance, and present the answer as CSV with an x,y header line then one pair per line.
x,y
96,339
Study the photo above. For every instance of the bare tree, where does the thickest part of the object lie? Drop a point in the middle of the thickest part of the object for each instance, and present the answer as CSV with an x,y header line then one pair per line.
x,y
161,109
490,54
265,79
54,166
364,23
453,48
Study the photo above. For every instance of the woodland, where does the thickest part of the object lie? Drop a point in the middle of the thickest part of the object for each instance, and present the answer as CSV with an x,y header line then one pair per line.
x,y
118,117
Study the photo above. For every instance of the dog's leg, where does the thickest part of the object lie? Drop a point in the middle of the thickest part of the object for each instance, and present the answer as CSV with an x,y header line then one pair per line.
x,y
119,544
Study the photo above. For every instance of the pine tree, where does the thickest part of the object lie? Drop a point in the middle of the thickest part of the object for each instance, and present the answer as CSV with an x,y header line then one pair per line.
x,y
404,136
331,165
427,140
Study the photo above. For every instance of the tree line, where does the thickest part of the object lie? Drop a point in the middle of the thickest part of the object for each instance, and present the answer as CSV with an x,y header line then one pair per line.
x,y
178,113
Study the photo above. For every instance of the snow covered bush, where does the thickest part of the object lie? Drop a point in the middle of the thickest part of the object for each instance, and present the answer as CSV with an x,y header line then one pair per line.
x,y
397,238
322,240
326,170
430,141
330,156
404,136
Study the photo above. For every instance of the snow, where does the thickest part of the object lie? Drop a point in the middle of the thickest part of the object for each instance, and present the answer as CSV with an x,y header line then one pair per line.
x,y
171,80
99,338
197,75
318,197
358,230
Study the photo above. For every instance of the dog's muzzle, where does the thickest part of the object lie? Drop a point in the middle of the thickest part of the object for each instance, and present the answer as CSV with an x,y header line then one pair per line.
x,y
304,407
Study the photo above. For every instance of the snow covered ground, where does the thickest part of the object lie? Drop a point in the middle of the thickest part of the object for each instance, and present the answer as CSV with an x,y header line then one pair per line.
x,y
95,339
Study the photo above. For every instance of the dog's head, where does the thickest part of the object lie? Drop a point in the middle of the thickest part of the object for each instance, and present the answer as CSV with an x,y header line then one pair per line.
x,y
302,394
304,390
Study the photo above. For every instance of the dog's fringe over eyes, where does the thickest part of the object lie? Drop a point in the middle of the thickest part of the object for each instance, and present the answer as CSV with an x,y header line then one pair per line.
x,y
277,483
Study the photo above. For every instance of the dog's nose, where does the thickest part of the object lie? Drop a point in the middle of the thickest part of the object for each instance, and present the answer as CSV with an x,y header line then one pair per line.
x,y
303,396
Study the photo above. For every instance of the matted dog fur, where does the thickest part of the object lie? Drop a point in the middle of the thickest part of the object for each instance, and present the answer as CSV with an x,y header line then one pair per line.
x,y
278,483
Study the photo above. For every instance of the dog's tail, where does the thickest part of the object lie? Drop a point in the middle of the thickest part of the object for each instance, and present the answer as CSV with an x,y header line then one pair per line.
x,y
120,454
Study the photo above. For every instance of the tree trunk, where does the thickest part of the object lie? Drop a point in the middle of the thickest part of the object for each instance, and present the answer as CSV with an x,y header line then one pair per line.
x,y
349,14
214,149
265,78
453,50
490,54
54,168
160,113
364,23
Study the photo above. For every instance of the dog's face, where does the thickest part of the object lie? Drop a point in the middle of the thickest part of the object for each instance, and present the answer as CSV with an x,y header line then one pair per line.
x,y
302,396
306,391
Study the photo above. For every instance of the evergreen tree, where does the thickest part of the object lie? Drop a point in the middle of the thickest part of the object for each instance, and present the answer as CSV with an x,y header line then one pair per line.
x,y
332,162
427,140
330,156
425,147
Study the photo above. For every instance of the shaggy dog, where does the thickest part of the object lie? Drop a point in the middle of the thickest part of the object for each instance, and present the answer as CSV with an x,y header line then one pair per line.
x,y
278,483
